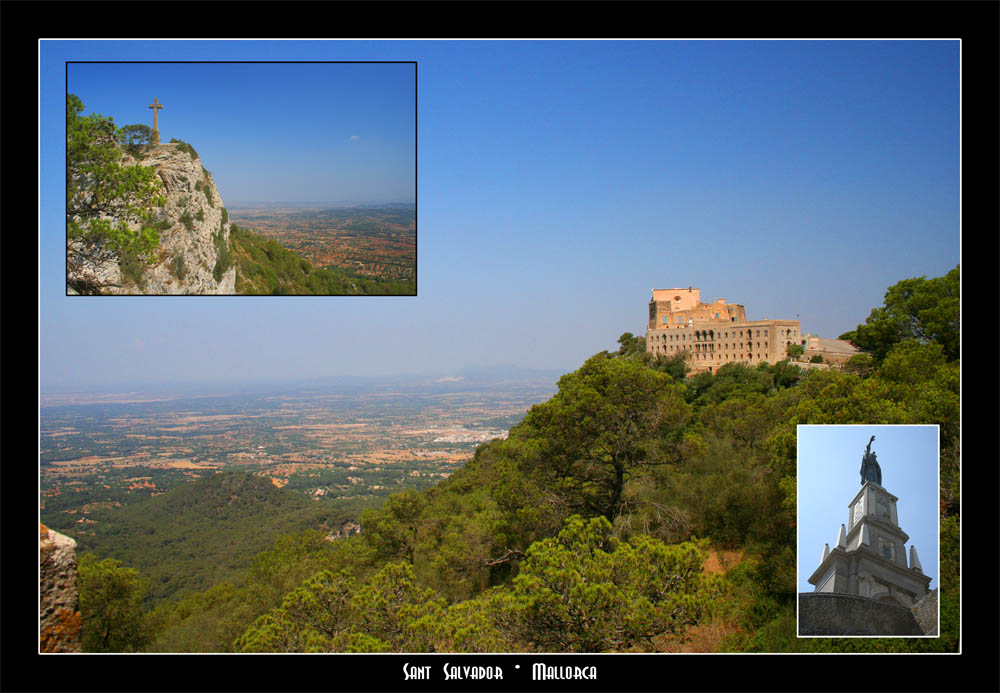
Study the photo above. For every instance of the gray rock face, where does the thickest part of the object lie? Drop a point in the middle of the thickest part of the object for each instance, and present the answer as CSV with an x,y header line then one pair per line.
x,y
191,221
844,614
59,605
926,613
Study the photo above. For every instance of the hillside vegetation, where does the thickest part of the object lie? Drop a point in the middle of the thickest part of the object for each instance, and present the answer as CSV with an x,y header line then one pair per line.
x,y
266,267
587,529
205,531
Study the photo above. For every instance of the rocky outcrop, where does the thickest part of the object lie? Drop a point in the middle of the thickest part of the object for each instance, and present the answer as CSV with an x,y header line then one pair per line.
x,y
349,529
59,606
192,257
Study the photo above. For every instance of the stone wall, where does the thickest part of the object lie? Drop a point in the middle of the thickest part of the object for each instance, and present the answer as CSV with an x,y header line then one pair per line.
x,y
926,613
845,614
59,605
835,351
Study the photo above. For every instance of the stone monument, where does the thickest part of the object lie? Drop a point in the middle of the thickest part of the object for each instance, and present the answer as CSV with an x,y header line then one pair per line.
x,y
870,471
156,106
869,558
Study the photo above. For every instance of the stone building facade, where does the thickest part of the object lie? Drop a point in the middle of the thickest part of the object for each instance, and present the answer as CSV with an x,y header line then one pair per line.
x,y
714,334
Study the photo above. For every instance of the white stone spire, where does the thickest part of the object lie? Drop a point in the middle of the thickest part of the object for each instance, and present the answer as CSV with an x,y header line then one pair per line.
x,y
826,552
842,538
914,561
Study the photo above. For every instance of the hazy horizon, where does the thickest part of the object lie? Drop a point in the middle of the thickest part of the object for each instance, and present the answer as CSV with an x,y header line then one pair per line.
x,y
559,181
319,203
204,385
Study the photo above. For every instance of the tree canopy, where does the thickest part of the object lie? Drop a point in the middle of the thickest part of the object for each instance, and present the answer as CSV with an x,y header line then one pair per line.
x,y
111,597
135,137
605,421
921,309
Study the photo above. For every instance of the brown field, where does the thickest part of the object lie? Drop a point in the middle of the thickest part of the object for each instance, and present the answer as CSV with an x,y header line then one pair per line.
x,y
367,242
387,438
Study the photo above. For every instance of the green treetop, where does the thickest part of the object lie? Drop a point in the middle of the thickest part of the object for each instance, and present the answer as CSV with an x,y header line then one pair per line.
x,y
109,207
925,310
608,418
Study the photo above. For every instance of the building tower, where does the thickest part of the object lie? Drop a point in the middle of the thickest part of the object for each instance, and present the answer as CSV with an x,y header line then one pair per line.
x,y
869,558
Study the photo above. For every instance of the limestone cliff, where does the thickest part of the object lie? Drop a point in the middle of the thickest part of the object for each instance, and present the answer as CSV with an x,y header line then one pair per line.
x,y
193,255
59,605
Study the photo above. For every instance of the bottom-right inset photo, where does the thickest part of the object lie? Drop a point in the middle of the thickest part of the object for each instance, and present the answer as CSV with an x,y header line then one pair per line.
x,y
868,530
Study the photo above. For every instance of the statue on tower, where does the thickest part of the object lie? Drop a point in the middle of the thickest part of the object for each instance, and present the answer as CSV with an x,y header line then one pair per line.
x,y
870,471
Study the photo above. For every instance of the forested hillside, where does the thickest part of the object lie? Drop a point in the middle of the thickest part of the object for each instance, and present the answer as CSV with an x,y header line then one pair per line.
x,y
266,267
205,531
590,527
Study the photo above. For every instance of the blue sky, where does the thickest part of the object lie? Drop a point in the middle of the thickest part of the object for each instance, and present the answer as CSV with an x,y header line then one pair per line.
x,y
295,132
829,463
557,183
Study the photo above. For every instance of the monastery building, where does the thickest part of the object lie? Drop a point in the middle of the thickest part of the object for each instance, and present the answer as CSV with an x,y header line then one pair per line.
x,y
714,334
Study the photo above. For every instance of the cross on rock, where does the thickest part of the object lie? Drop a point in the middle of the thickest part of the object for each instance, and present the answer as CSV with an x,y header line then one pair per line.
x,y
156,106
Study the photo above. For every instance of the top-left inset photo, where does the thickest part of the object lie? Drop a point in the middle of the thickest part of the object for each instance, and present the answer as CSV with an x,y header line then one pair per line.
x,y
263,178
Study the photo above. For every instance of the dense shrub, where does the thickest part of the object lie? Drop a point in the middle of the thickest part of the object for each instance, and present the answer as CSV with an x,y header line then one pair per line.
x,y
133,266
178,267
185,147
225,257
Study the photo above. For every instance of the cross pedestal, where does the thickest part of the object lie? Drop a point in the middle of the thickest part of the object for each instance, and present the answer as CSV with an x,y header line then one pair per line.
x,y
156,106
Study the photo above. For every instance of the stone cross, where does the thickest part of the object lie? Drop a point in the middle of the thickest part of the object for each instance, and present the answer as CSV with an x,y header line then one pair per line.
x,y
156,106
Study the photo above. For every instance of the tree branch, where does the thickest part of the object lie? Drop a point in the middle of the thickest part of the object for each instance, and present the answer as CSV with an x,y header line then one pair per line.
x,y
511,555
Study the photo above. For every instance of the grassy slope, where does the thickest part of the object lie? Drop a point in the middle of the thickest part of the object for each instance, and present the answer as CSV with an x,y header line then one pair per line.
x,y
264,267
